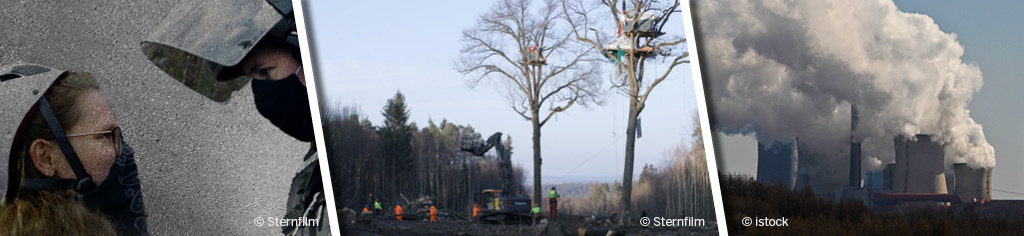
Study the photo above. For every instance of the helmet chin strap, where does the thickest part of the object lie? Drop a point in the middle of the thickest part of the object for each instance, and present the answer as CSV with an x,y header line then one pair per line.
x,y
84,182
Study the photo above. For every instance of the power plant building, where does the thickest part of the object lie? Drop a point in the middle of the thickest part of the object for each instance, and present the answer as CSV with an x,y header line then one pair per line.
x,y
917,174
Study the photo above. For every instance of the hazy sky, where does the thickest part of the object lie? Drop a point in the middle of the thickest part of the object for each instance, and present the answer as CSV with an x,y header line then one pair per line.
x,y
365,52
991,38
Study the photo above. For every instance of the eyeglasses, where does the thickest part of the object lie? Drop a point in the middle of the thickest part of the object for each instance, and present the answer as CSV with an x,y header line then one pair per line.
x,y
114,135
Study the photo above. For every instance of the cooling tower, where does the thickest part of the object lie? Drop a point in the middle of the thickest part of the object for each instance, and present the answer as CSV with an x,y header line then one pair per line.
x,y
950,182
803,180
777,163
918,166
820,177
972,182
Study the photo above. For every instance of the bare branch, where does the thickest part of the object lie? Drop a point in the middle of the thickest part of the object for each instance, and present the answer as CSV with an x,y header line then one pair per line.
x,y
511,28
521,113
678,61
559,109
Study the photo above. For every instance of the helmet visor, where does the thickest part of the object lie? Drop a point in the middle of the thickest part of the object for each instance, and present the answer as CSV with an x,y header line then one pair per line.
x,y
199,43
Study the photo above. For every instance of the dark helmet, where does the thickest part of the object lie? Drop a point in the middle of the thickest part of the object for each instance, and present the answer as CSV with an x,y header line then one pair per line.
x,y
201,44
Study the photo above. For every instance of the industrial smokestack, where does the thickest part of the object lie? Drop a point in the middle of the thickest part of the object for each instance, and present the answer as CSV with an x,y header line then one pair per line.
x,y
854,164
854,150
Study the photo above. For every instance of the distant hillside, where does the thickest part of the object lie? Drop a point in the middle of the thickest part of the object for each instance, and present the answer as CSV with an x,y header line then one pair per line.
x,y
574,186
566,190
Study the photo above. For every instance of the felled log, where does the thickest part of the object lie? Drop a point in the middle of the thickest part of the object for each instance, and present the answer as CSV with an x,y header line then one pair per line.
x,y
364,218
346,214
600,231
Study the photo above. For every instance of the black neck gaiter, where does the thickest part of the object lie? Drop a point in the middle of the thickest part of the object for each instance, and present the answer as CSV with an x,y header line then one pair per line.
x,y
119,196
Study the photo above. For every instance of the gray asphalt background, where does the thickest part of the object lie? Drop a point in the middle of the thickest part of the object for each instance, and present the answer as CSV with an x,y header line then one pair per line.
x,y
206,168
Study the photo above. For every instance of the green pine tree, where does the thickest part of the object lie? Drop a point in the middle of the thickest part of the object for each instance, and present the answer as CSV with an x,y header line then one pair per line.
x,y
397,136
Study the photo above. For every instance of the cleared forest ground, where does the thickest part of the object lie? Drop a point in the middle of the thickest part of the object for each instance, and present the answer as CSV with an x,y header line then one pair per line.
x,y
565,225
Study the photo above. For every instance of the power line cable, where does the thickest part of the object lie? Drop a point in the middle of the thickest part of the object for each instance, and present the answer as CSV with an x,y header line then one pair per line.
x,y
591,158
1004,191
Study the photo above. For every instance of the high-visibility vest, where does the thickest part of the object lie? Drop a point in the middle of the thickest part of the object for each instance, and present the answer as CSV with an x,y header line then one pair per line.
x,y
398,210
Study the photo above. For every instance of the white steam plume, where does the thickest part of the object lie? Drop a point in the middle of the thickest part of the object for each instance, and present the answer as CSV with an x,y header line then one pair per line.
x,y
783,69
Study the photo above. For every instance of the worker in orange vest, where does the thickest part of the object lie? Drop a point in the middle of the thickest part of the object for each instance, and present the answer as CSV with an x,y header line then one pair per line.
x,y
366,208
398,211
475,210
433,213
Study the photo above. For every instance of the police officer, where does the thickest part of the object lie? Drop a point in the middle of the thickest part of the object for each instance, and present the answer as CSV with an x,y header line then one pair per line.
x,y
216,47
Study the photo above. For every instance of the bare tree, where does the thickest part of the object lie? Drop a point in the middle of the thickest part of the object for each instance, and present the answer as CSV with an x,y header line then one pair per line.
x,y
513,43
640,24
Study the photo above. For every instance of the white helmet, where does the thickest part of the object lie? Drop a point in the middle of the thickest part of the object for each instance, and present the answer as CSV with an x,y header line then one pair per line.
x,y
21,87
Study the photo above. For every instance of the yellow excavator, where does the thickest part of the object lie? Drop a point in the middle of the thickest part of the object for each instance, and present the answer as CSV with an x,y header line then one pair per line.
x,y
500,205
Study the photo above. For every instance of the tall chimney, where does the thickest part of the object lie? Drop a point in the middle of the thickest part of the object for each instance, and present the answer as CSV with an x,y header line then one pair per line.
x,y
854,150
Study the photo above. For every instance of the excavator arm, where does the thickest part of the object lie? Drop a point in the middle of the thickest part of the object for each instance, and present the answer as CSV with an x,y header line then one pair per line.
x,y
504,160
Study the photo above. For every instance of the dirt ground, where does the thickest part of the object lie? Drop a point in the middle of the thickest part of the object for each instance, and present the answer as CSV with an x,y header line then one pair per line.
x,y
564,225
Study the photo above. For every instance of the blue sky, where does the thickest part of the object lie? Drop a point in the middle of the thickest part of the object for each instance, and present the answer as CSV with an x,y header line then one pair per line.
x,y
365,52
991,36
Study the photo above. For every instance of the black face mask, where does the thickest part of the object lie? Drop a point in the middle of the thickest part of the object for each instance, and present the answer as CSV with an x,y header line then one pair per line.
x,y
285,104
119,196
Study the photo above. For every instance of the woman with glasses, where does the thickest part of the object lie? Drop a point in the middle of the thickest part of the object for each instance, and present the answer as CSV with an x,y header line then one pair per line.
x,y
69,171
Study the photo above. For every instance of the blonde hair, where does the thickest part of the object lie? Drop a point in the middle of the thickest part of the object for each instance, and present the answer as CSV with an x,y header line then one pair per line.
x,y
42,212
49,212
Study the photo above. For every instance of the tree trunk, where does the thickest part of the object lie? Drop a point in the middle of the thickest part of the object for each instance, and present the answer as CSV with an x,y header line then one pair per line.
x,y
627,176
536,157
